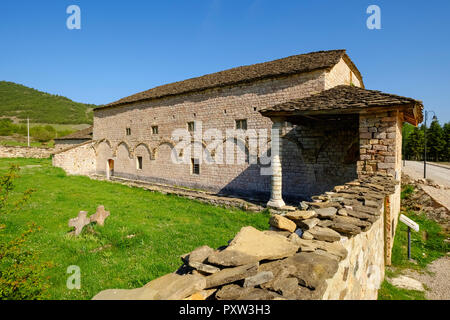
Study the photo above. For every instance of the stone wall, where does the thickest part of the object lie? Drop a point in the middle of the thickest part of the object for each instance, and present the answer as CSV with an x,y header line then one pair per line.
x,y
380,143
391,216
25,152
317,156
219,109
331,248
381,153
78,160
359,276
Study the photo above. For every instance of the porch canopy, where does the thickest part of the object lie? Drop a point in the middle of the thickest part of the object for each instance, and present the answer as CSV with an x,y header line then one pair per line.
x,y
333,104
345,99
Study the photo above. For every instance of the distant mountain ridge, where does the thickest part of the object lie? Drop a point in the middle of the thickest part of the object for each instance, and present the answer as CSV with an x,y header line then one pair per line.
x,y
19,102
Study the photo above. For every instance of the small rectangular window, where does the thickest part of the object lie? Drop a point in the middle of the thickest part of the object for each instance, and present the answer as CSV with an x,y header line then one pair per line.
x,y
241,124
195,166
139,163
155,130
128,131
191,126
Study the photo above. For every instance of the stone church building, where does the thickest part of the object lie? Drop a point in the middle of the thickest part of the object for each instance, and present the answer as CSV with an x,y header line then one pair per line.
x,y
331,130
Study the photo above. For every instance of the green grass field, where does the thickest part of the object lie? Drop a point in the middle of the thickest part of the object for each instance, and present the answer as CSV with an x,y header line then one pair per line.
x,y
142,239
427,245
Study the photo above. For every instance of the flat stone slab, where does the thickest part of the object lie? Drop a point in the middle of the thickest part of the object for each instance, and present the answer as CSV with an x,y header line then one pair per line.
x,y
235,292
197,258
200,254
305,245
334,248
355,221
346,228
230,275
326,213
279,233
251,245
325,223
257,279
205,268
306,269
308,223
169,287
307,235
201,295
282,223
301,215
324,234
407,283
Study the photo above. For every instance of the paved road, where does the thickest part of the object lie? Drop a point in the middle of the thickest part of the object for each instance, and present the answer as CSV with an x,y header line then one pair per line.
x,y
440,175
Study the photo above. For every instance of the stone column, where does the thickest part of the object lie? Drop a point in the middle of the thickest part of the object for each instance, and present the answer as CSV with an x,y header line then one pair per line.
x,y
276,199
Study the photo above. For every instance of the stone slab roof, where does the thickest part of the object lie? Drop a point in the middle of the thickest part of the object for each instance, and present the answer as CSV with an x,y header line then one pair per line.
x,y
347,99
282,67
85,134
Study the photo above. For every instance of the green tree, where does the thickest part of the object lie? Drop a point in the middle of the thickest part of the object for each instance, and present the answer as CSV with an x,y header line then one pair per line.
x,y
43,134
435,141
6,127
446,152
406,131
415,144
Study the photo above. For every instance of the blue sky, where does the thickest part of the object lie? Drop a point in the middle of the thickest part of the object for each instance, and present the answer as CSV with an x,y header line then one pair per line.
x,y
125,47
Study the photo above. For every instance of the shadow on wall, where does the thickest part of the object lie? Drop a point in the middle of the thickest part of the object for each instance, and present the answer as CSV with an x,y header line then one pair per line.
x,y
316,157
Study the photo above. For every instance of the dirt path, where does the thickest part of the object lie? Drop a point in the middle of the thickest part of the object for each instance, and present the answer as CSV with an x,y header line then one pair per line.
x,y
442,196
436,280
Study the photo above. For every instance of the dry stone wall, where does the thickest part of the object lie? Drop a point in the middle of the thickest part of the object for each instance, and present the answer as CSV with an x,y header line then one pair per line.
x,y
25,152
331,248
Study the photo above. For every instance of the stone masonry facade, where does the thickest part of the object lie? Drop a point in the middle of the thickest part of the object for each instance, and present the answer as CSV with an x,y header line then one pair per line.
x,y
76,161
307,160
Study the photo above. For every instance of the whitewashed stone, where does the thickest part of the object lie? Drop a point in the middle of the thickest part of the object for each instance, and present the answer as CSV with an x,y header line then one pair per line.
x,y
407,283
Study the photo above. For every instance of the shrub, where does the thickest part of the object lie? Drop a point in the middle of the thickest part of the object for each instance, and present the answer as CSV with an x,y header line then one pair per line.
x,y
6,127
63,133
21,274
407,191
43,134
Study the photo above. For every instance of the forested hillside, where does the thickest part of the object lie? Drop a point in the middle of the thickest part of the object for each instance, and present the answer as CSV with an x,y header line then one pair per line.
x,y
19,102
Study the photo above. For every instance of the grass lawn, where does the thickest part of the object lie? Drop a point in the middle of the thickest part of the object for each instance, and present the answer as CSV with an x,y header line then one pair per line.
x,y
164,227
427,245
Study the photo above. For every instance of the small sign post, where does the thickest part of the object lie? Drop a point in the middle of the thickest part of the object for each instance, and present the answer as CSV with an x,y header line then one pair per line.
x,y
411,225
28,131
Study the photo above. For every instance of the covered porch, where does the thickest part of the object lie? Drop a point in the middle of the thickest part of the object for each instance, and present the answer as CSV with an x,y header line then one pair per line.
x,y
361,131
